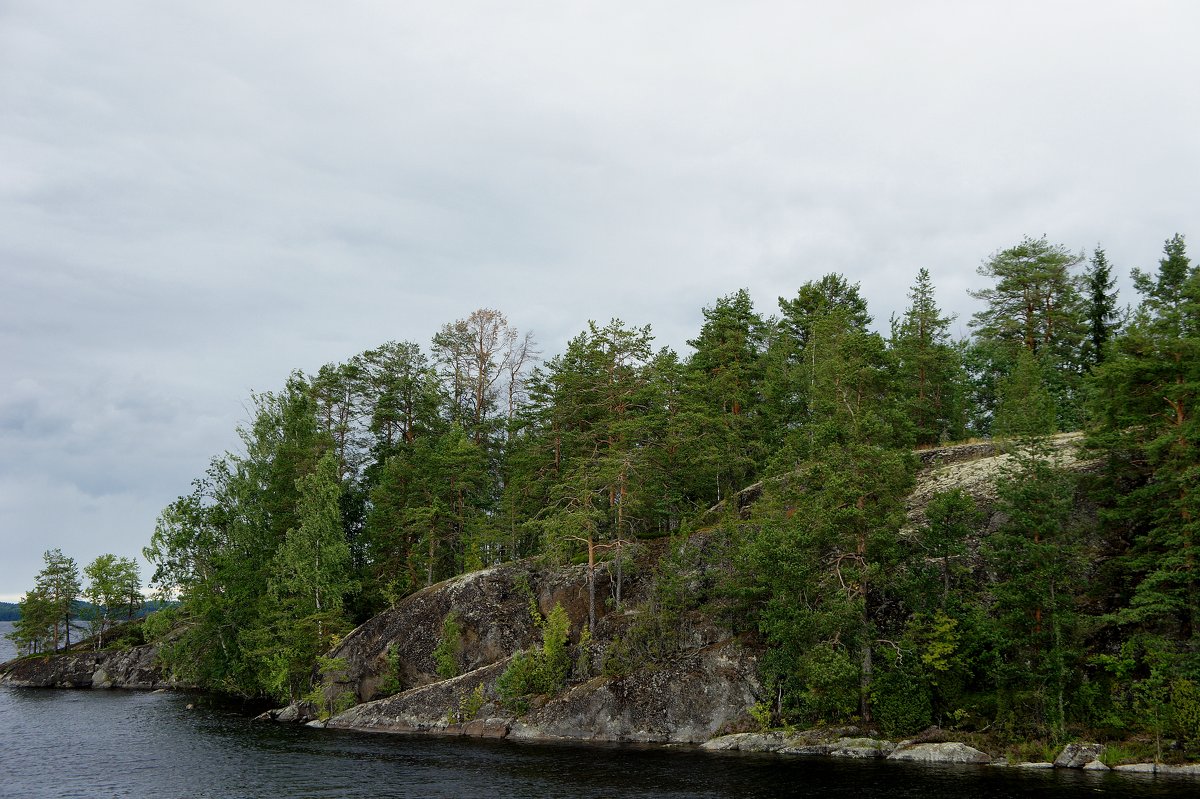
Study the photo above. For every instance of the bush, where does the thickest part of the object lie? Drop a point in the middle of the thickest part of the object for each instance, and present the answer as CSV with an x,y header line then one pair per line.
x,y
539,671
902,702
449,647
391,680
469,705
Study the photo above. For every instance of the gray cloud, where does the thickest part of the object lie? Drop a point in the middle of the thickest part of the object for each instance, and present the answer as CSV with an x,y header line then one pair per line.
x,y
194,201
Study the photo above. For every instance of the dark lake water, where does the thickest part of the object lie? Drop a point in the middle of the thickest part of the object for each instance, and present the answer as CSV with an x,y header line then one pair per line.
x,y
129,744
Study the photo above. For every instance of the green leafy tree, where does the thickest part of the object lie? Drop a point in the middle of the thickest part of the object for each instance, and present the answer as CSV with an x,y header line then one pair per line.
x,y
216,550
36,630
312,563
113,591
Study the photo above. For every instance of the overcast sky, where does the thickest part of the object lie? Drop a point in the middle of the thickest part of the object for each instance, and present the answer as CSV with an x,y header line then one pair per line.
x,y
198,197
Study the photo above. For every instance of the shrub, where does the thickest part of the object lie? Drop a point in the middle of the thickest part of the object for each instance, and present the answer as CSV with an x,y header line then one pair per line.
x,y
538,671
391,683
449,647
902,702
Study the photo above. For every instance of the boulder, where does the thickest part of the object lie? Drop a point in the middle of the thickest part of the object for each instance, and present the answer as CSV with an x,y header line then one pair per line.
x,y
746,742
1078,755
861,748
433,708
1136,768
950,752
294,713
685,701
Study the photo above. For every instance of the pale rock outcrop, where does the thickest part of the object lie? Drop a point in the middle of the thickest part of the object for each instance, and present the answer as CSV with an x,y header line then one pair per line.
x,y
949,752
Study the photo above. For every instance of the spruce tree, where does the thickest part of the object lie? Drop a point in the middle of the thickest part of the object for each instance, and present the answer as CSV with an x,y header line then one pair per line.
x,y
930,376
1101,298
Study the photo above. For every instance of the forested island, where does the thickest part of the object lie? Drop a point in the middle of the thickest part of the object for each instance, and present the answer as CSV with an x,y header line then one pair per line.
x,y
761,493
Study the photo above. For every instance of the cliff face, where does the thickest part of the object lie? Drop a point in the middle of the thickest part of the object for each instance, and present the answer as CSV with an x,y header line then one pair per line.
x,y
686,701
494,608
136,667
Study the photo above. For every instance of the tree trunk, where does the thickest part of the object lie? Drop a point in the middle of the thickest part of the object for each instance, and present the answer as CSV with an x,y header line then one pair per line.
x,y
591,580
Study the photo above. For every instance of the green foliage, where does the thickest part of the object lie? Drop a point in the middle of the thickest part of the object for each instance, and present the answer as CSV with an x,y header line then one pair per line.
x,y
469,705
930,379
521,678
1023,405
828,684
539,671
159,623
761,713
902,702
324,695
1101,316
46,610
449,647
396,469
114,592
583,660
1033,306
391,683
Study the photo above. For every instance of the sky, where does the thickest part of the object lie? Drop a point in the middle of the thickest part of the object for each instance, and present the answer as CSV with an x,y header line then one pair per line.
x,y
197,198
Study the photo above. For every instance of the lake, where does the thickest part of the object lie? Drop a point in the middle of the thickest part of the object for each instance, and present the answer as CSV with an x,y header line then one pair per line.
x,y
129,744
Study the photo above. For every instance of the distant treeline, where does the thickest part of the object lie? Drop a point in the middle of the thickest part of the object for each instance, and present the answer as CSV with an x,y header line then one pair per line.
x,y
11,611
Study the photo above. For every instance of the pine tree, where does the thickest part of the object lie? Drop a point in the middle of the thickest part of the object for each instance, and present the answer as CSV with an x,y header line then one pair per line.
x,y
1035,560
1033,305
36,631
819,541
1145,405
59,586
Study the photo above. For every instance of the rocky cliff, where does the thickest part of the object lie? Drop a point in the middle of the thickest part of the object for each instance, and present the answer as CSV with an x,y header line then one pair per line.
x,y
136,667
497,612
706,688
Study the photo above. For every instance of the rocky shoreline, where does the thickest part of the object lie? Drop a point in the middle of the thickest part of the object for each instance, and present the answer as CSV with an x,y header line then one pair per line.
x,y
583,714
135,668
